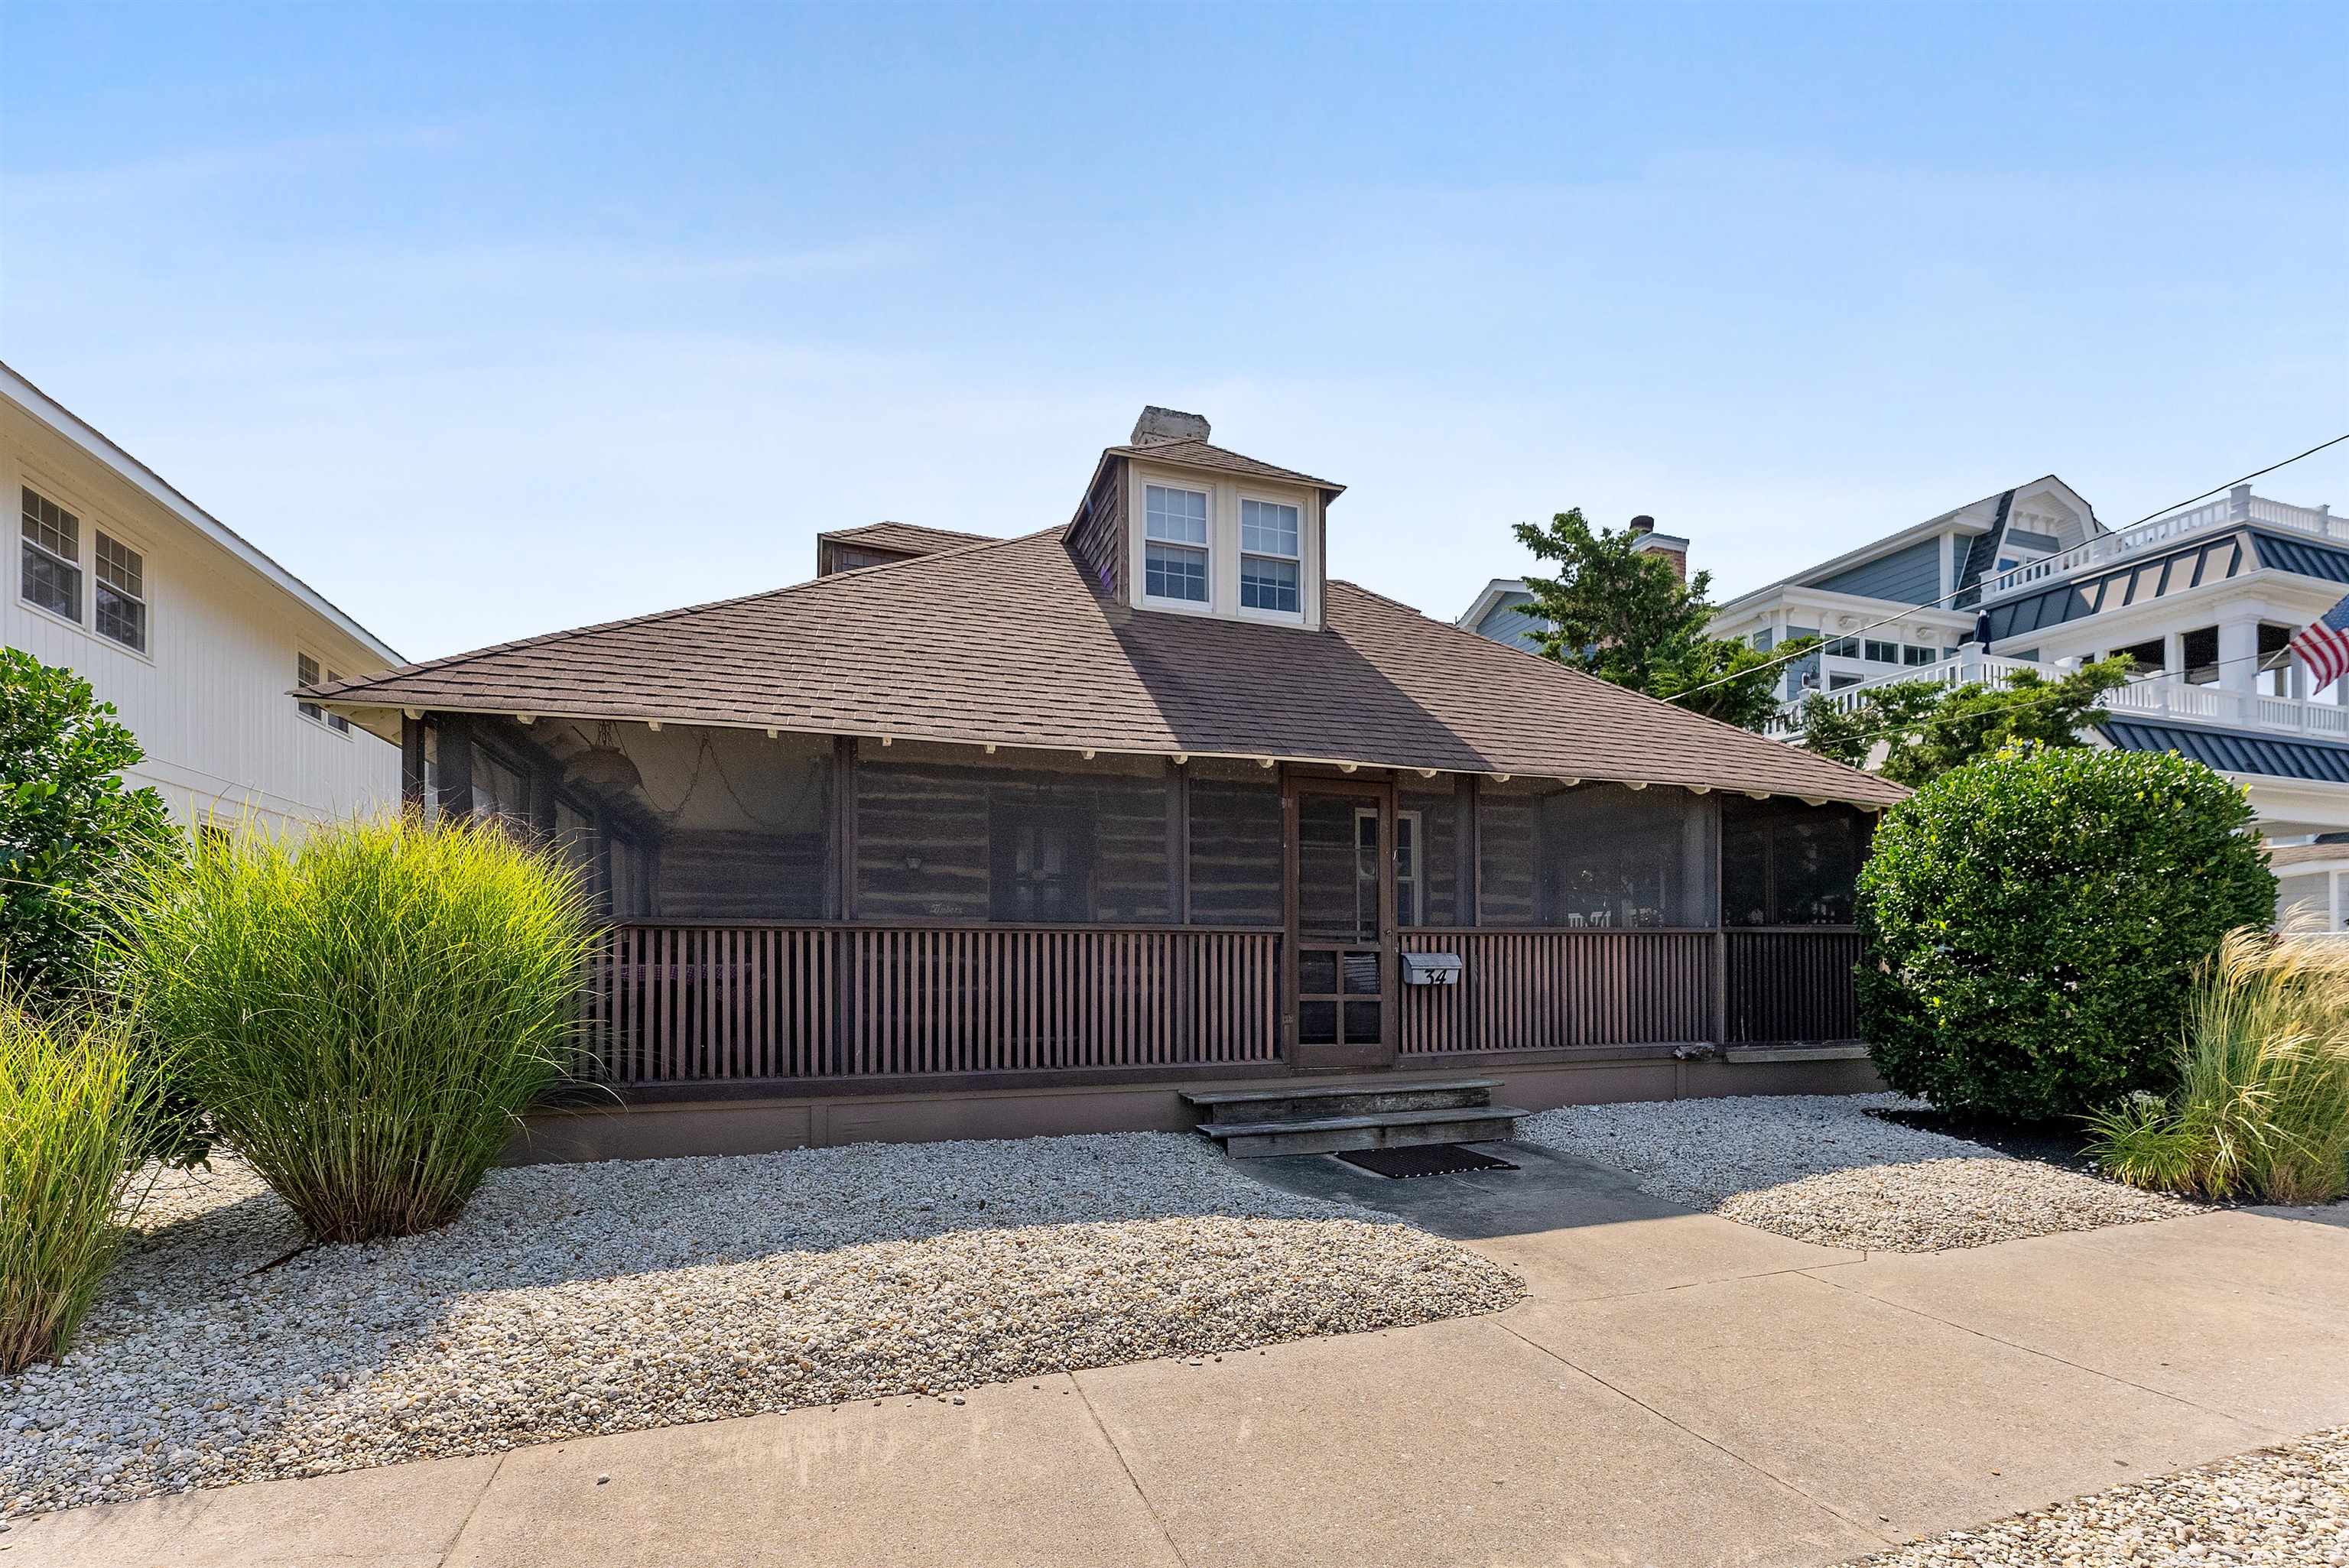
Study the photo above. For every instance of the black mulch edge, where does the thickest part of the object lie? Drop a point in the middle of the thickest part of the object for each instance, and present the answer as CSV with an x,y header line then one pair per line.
x,y
2062,1143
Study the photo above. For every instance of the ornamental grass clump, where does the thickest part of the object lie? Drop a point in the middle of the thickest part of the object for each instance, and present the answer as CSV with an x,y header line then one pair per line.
x,y
2261,1106
75,1098
365,1014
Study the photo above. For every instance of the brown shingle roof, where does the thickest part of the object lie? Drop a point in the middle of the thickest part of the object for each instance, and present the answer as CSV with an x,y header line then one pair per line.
x,y
2304,854
1200,454
1008,643
911,538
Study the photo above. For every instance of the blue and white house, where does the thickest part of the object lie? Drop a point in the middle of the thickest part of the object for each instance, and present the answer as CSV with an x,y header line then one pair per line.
x,y
2205,600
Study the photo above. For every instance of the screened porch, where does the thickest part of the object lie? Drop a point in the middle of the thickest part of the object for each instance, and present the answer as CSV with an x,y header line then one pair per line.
x,y
788,911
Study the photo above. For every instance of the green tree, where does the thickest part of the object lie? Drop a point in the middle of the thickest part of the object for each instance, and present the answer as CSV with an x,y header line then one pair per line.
x,y
1927,729
71,834
2030,925
1624,615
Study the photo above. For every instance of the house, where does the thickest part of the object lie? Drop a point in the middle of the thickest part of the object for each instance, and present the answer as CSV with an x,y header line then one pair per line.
x,y
1049,833
195,636
1500,612
2205,601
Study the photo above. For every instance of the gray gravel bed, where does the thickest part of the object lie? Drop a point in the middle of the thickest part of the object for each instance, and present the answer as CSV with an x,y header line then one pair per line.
x,y
1818,1168
2284,1505
573,1299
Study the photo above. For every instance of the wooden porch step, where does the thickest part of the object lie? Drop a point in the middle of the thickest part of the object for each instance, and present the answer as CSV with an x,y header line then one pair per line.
x,y
1386,1129
1349,1097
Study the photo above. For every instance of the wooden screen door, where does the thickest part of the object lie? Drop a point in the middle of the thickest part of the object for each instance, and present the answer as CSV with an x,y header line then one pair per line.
x,y
1339,970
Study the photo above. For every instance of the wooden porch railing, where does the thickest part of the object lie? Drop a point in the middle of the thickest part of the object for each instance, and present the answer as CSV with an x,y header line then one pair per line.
x,y
1535,990
674,1004
1792,983
708,1002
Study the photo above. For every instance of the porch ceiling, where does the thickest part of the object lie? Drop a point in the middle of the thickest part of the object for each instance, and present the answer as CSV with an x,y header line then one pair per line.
x,y
1008,643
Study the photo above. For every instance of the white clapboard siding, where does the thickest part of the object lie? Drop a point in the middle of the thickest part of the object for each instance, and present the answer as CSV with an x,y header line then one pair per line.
x,y
208,699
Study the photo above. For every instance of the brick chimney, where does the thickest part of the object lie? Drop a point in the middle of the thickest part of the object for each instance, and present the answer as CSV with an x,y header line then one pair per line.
x,y
1158,426
1672,547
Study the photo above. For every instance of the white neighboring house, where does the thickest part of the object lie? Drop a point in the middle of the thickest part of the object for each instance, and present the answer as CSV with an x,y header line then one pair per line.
x,y
2205,600
193,634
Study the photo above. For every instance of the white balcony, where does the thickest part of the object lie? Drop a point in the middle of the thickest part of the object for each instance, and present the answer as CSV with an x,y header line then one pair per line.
x,y
2167,696
2235,509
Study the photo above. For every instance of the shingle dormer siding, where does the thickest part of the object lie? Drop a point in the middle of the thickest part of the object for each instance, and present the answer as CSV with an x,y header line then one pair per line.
x,y
1097,533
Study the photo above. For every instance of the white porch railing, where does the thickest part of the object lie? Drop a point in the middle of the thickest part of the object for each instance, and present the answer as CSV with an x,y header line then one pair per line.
x,y
2233,510
2166,697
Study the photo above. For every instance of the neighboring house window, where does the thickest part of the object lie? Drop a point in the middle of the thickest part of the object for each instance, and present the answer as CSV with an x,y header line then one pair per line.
x,y
1268,556
306,674
1877,653
52,556
1917,655
121,592
1175,548
1845,647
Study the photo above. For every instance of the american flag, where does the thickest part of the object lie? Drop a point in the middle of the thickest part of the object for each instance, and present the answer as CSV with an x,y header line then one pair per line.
x,y
2324,646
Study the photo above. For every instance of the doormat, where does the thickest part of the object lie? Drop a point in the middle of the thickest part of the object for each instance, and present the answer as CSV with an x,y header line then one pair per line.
x,y
1423,1160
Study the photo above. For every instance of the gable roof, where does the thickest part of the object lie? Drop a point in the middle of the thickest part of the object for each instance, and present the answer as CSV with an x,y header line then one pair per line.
x,y
909,538
148,483
1201,455
1008,643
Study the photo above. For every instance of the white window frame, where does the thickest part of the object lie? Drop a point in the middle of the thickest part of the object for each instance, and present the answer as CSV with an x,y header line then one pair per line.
x,y
83,528
1239,524
311,712
92,523
1404,920
1206,547
144,598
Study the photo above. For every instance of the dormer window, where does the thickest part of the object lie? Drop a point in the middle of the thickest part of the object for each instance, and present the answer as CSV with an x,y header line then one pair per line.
x,y
1175,544
1269,561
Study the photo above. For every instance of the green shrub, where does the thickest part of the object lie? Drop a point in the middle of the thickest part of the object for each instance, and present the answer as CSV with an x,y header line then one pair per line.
x,y
365,1015
71,836
2030,926
2261,1106
73,1101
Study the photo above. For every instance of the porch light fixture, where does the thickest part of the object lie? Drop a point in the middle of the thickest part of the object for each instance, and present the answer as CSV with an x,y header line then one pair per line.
x,y
1349,766
605,765
653,725
1087,754
1699,789
773,734
1570,783
1503,778
1757,794
1182,758
990,748
1427,773
413,712
1268,762
1635,783
888,740
1815,800
525,718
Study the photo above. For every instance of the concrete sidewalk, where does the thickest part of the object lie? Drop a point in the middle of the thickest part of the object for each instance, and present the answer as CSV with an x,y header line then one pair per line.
x,y
1677,1389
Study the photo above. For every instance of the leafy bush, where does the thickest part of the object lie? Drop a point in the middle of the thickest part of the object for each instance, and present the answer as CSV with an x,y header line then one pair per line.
x,y
73,1103
2030,926
2261,1106
365,1016
71,836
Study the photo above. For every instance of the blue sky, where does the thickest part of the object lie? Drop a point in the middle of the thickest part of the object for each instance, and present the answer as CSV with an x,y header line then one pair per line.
x,y
492,320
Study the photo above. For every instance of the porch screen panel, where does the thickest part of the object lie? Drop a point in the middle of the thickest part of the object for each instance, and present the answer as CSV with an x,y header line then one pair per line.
x,y
1022,839
746,832
1595,856
1785,864
1235,845
1437,855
